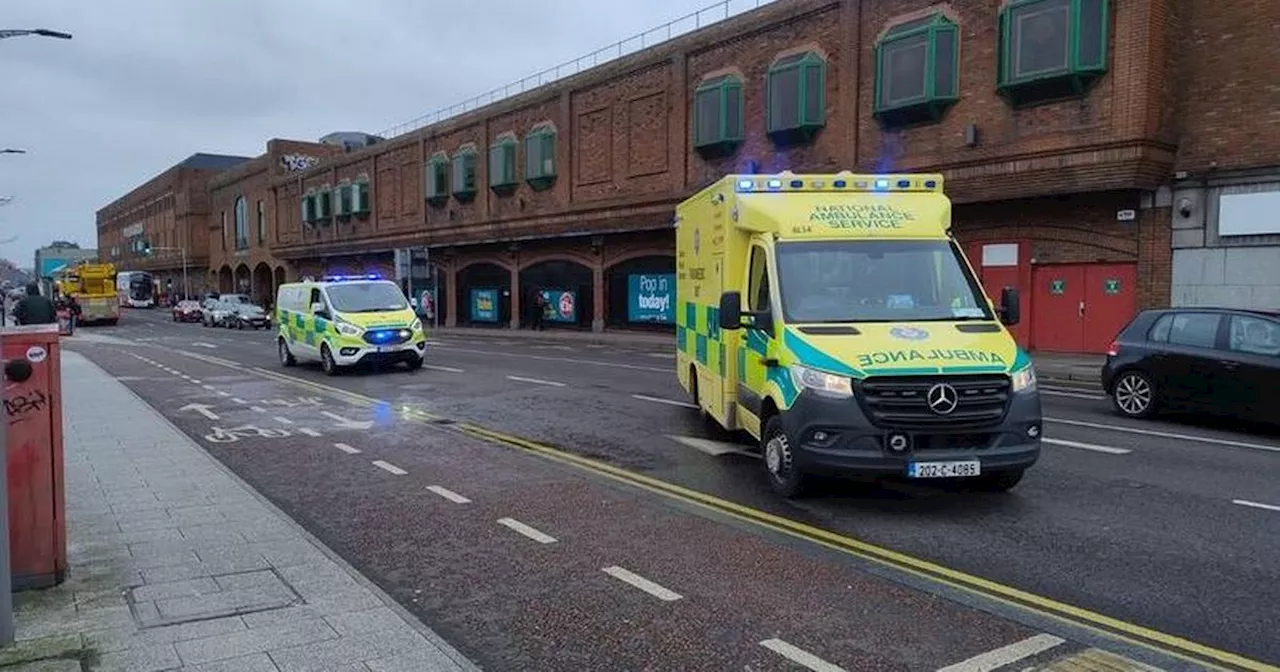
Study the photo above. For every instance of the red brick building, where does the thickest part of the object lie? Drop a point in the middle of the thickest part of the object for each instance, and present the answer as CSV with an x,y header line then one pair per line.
x,y
169,212
1083,142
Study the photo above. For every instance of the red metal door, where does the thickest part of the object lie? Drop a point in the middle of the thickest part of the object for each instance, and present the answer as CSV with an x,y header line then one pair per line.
x,y
1057,305
1110,300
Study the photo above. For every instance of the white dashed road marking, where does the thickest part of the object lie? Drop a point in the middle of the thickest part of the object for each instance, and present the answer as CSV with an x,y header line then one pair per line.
x,y
1087,446
350,450
390,468
799,656
210,388
713,448
238,400
259,409
535,381
446,369
448,494
527,531
637,581
308,431
1165,435
223,394
1005,655
282,420
660,400
1255,505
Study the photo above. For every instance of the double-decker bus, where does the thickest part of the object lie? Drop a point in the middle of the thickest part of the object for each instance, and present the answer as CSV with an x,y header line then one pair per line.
x,y
137,289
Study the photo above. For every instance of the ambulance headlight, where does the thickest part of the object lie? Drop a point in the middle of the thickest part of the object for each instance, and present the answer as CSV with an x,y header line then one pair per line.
x,y
416,326
1024,380
348,329
821,382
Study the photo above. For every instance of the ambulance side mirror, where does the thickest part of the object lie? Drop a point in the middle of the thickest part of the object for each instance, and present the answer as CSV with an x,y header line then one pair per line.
x,y
317,308
731,311
1010,310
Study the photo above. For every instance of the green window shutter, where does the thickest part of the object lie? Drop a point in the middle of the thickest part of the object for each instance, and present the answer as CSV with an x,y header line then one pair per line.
x,y
718,116
917,71
1066,57
502,165
361,203
437,179
540,158
796,91
464,175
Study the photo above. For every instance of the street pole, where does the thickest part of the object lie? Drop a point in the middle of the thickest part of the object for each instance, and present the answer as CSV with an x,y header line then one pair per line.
x,y
6,580
186,286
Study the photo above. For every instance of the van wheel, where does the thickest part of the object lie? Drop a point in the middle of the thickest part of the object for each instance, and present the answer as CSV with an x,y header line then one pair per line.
x,y
414,364
286,357
999,481
785,477
326,361
693,388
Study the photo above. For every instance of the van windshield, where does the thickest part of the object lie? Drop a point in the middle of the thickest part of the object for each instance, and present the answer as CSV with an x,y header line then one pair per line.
x,y
366,297
877,281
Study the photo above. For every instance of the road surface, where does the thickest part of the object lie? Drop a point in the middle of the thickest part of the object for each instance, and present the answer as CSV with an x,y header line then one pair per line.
x,y
606,527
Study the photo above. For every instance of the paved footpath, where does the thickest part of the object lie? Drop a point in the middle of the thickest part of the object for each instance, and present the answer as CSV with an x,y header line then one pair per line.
x,y
176,564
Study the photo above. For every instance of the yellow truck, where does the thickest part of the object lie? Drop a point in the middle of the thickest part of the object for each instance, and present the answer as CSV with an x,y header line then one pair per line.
x,y
94,287
835,320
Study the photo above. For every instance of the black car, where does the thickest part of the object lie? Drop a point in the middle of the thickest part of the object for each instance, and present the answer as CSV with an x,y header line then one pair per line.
x,y
1217,361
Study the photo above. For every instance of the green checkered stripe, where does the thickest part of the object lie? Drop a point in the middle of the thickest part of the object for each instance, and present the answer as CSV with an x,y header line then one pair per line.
x,y
698,335
296,327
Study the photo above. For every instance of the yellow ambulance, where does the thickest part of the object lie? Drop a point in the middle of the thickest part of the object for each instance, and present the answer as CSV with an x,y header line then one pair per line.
x,y
341,321
835,320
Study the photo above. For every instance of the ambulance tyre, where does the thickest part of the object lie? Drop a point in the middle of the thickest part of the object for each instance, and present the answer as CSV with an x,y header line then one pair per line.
x,y
286,357
779,461
414,364
326,361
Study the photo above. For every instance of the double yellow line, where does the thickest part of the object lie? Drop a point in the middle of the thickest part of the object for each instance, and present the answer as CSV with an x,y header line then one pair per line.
x,y
1155,640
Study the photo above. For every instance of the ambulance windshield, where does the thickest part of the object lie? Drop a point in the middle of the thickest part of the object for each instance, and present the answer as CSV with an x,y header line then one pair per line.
x,y
877,281
366,297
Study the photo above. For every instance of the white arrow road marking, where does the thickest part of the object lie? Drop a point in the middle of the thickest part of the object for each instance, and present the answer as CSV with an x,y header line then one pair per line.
x,y
712,448
799,656
346,423
1087,446
201,409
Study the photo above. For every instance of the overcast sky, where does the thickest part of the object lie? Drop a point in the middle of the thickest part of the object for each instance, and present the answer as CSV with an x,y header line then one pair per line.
x,y
146,83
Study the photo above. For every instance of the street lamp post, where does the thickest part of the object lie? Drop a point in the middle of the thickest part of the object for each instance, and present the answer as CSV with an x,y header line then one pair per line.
x,y
6,580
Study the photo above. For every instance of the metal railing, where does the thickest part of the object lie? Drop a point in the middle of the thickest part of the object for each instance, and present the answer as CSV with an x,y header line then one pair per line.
x,y
707,16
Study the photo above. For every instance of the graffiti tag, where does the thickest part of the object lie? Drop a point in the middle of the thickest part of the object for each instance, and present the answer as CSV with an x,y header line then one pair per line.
x,y
295,162
20,407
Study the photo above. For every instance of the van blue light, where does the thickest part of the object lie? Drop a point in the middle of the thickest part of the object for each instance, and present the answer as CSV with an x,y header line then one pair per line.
x,y
775,184
882,184
839,184
745,185
904,184
797,184
348,278
930,184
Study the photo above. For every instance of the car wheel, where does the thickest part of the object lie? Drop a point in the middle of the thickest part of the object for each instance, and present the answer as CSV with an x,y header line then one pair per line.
x,y
286,357
998,481
780,467
1134,395
326,361
414,364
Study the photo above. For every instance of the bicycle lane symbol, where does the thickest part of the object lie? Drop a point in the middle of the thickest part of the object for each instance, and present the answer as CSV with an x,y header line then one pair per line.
x,y
220,435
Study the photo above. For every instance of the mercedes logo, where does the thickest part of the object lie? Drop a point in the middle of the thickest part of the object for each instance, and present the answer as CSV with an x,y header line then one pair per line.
x,y
942,399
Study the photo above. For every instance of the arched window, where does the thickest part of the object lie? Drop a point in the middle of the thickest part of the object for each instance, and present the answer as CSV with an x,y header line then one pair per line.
x,y
242,224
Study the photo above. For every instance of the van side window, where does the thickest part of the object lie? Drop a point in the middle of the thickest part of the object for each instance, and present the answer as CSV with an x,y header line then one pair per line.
x,y
758,282
315,297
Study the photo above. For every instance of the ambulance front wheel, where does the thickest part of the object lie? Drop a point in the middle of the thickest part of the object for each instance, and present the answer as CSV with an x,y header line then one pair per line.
x,y
326,361
778,457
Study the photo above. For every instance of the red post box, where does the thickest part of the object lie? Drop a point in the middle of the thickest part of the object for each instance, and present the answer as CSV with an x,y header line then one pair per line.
x,y
33,442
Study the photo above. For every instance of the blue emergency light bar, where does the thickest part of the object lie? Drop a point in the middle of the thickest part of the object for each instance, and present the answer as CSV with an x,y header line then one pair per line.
x,y
859,183
351,278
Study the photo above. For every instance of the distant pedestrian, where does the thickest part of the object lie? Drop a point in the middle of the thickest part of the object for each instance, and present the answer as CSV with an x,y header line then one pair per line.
x,y
34,308
539,310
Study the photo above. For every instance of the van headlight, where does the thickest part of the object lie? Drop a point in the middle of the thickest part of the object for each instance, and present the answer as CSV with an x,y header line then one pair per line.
x,y
824,383
348,329
416,326
1024,380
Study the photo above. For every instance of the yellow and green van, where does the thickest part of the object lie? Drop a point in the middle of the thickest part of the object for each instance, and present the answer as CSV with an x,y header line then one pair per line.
x,y
835,320
342,321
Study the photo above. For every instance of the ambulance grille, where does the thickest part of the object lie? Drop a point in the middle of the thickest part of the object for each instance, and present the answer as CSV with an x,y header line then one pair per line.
x,y
901,402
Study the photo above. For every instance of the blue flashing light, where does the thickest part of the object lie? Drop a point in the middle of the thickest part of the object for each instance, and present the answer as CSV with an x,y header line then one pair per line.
x,y
904,184
349,278
775,184
839,184
797,184
882,184
745,185
931,184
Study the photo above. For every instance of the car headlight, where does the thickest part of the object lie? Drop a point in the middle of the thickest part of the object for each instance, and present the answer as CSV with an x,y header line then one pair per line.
x,y
347,329
822,382
417,325
1024,380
